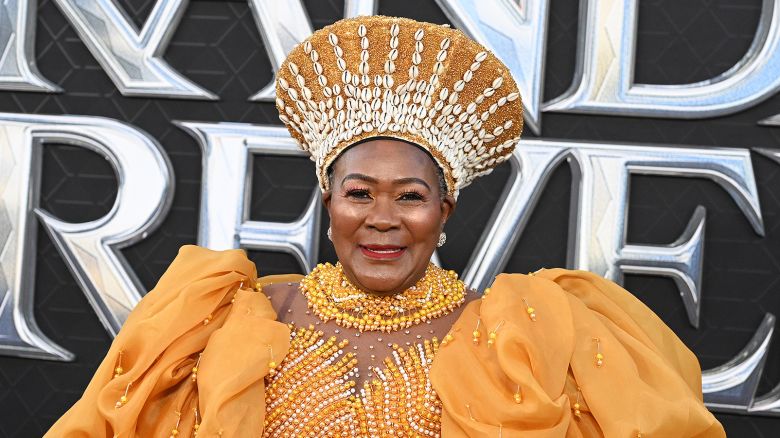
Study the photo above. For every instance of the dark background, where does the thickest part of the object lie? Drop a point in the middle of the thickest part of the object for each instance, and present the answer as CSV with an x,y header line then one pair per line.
x,y
217,45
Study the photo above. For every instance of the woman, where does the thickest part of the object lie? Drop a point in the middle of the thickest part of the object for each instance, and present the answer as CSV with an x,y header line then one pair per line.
x,y
398,116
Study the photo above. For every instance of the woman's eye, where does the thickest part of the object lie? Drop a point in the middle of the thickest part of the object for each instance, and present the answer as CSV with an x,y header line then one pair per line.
x,y
358,193
411,196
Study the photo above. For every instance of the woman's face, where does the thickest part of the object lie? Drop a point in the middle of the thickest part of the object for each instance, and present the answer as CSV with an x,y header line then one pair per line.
x,y
386,213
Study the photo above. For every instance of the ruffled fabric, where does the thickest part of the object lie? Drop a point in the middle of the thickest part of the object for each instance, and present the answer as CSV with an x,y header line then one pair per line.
x,y
198,309
649,383
204,307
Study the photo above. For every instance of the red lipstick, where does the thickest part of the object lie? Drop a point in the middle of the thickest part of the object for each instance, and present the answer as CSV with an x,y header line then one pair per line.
x,y
382,252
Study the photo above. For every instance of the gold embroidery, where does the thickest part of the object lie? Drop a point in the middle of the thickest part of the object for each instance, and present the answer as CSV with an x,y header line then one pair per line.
x,y
313,393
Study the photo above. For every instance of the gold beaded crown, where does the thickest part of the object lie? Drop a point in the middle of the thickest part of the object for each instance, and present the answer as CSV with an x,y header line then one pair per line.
x,y
422,83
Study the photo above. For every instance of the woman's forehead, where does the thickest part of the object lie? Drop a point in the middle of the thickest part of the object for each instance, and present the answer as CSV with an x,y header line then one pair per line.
x,y
386,157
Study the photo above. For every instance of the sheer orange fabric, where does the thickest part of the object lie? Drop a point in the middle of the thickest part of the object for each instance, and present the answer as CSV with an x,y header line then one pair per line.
x,y
649,382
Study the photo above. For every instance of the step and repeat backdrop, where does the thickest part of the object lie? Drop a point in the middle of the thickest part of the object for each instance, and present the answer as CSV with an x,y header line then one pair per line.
x,y
131,127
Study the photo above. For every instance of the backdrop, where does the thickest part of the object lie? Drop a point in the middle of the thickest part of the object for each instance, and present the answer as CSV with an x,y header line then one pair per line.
x,y
217,45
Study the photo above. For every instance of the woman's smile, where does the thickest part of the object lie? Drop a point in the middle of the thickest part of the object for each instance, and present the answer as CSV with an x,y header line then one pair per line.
x,y
383,252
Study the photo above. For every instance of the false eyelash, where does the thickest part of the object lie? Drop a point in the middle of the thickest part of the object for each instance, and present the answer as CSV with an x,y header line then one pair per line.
x,y
420,196
352,191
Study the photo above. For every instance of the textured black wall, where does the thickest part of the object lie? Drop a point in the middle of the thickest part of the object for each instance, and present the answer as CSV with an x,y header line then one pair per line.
x,y
217,46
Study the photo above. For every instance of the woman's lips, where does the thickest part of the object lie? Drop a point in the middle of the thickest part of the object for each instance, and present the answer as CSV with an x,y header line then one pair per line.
x,y
382,252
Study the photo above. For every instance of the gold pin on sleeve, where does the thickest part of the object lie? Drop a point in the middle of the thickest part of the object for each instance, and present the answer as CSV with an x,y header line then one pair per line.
x,y
123,400
175,430
530,311
271,364
599,355
493,335
576,406
196,426
194,371
118,371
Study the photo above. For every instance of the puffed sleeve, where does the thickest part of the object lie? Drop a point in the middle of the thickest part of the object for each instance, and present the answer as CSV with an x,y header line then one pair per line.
x,y
194,351
567,354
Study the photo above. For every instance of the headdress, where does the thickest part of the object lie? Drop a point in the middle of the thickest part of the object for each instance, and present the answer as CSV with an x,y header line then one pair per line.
x,y
391,77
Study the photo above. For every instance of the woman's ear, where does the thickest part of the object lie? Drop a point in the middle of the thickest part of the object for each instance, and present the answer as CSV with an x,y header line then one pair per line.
x,y
448,205
326,198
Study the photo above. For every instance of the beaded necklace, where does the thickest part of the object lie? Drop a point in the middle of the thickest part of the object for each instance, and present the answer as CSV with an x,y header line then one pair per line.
x,y
331,295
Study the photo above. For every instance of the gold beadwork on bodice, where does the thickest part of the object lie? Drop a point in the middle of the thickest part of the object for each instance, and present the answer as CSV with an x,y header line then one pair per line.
x,y
313,393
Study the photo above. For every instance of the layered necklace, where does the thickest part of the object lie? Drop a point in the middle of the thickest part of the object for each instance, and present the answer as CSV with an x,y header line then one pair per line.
x,y
331,296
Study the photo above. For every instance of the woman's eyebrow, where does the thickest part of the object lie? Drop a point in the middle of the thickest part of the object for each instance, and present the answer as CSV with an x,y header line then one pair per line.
x,y
411,180
359,176
372,180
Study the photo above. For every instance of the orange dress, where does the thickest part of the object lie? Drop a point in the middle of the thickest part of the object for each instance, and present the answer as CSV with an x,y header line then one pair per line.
x,y
203,314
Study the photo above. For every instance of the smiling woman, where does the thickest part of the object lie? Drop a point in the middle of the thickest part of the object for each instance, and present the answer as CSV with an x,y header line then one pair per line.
x,y
385,343
386,219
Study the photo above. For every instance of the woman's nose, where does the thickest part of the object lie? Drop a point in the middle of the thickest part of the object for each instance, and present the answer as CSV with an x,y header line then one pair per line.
x,y
383,215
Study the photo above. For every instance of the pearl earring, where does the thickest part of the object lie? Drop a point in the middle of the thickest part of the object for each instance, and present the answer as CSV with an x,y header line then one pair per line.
x,y
442,239
330,234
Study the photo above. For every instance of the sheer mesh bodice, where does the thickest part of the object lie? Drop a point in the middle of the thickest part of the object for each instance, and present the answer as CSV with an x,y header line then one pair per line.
x,y
337,381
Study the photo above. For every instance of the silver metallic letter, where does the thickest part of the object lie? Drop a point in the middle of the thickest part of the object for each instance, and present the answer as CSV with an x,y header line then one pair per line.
x,y
17,43
224,213
597,236
90,249
282,25
516,31
731,387
604,79
600,225
131,58
355,8
532,165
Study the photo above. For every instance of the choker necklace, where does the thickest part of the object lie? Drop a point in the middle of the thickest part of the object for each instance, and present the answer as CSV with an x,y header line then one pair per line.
x,y
330,295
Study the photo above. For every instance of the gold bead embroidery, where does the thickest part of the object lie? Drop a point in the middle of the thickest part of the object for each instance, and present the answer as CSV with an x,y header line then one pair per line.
x,y
331,296
313,393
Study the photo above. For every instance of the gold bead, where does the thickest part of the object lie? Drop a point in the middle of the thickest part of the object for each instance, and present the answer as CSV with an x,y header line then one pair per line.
x,y
518,398
118,371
